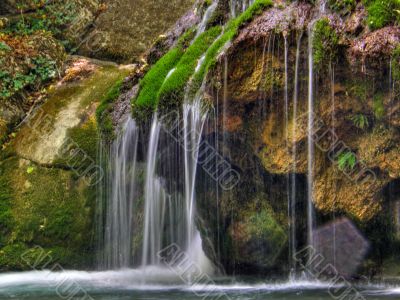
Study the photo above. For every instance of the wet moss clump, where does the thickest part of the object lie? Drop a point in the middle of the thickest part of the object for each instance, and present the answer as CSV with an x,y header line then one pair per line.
x,y
147,100
80,148
396,64
325,43
378,106
172,91
258,236
382,12
6,218
103,110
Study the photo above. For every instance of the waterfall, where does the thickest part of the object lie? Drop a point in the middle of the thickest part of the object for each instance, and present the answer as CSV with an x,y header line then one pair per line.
x,y
293,219
120,199
206,17
154,202
193,123
310,144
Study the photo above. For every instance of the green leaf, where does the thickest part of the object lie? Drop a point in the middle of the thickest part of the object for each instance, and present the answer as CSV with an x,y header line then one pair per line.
x,y
30,169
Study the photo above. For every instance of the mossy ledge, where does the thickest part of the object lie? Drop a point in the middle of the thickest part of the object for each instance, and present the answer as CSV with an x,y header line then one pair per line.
x,y
156,89
103,117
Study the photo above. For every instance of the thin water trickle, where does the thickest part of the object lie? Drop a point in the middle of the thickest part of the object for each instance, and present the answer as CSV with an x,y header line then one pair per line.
x,y
206,17
169,74
293,219
310,143
286,98
239,6
332,72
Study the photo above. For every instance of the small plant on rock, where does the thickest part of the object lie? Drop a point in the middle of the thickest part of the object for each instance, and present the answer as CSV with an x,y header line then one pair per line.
x,y
360,121
325,42
347,160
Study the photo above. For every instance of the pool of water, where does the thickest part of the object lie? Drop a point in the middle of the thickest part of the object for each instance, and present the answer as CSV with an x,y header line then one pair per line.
x,y
162,284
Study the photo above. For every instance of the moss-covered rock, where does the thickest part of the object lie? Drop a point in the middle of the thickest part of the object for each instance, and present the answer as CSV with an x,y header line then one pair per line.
x,y
258,237
45,137
47,207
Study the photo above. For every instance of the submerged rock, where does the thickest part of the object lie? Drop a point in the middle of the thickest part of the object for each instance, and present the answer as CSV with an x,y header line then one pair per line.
x,y
339,248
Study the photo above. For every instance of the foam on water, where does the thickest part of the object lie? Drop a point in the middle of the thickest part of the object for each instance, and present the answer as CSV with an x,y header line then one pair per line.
x,y
154,277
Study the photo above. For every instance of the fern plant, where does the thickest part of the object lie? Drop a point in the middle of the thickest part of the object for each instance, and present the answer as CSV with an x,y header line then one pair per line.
x,y
347,160
360,121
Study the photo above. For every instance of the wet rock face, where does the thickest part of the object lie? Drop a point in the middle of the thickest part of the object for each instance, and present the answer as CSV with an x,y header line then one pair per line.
x,y
295,16
340,246
127,28
166,41
355,115
375,47
258,237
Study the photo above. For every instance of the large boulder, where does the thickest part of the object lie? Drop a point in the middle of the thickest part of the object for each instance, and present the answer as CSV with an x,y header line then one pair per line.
x,y
127,28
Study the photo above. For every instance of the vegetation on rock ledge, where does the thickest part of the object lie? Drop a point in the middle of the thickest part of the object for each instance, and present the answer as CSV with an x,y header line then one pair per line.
x,y
152,84
325,42
382,12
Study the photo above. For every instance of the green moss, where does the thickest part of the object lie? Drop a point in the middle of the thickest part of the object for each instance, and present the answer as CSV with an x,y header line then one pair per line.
x,y
86,137
80,148
22,257
325,43
172,91
102,112
6,218
259,226
382,12
396,64
50,208
378,106
147,100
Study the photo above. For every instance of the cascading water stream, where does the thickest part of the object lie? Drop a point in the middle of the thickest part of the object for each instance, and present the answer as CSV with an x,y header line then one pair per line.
x,y
154,202
193,123
119,216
